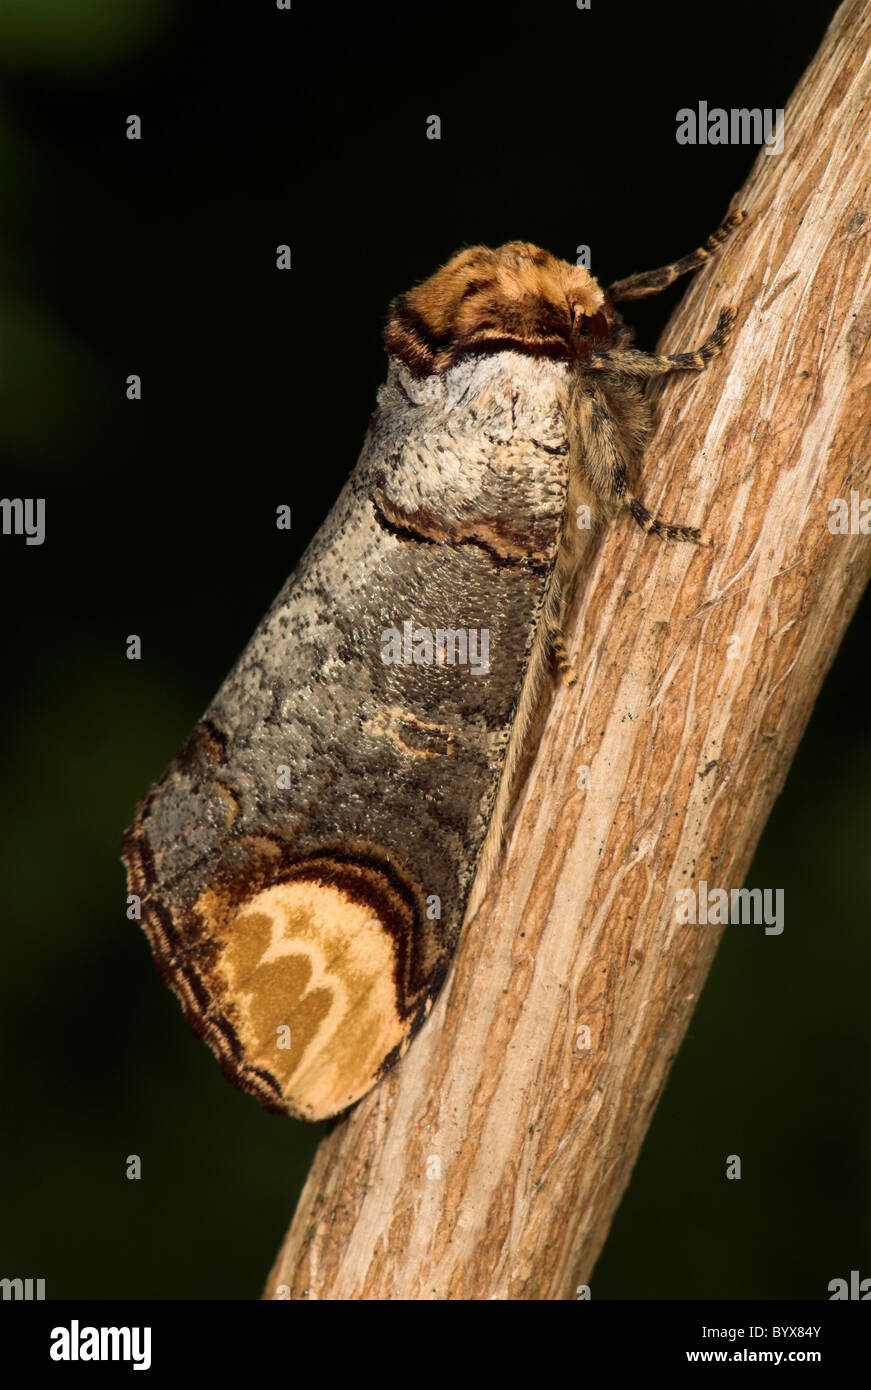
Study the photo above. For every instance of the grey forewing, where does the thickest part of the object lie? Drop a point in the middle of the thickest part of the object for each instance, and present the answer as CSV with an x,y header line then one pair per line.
x,y
402,758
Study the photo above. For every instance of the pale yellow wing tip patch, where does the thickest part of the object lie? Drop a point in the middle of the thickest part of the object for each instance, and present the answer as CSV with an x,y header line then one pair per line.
x,y
309,982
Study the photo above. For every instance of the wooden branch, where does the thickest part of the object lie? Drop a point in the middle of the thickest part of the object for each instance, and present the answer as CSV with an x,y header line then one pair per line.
x,y
491,1161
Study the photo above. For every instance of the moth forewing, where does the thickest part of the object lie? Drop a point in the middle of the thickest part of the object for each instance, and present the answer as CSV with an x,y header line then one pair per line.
x,y
304,865
324,913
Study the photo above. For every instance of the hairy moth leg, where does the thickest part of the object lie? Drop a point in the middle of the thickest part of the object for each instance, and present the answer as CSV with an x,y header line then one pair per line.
x,y
642,365
558,651
653,281
605,466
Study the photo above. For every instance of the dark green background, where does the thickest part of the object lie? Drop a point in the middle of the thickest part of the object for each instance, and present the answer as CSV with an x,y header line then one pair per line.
x,y
307,127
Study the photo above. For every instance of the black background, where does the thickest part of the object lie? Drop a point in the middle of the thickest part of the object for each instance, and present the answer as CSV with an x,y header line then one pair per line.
x,y
157,257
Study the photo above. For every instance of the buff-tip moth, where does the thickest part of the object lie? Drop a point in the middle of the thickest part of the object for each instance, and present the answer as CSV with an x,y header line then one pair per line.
x,y
306,863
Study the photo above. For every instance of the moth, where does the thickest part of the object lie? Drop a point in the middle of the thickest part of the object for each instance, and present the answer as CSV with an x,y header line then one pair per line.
x,y
305,864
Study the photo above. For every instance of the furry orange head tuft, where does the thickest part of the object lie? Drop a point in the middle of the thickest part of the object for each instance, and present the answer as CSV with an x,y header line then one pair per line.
x,y
516,297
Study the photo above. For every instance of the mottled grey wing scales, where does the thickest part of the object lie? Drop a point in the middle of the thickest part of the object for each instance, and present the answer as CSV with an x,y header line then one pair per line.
x,y
305,862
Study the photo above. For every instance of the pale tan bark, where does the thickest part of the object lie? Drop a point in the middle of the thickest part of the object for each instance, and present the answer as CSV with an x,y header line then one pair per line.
x,y
697,673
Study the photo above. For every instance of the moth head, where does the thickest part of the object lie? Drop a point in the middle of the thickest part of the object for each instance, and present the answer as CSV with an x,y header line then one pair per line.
x,y
516,297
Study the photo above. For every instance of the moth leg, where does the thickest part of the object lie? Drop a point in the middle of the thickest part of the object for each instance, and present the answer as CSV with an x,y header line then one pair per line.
x,y
652,281
641,365
602,451
559,650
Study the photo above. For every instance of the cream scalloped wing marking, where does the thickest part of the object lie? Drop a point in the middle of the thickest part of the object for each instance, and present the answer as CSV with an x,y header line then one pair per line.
x,y
306,955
